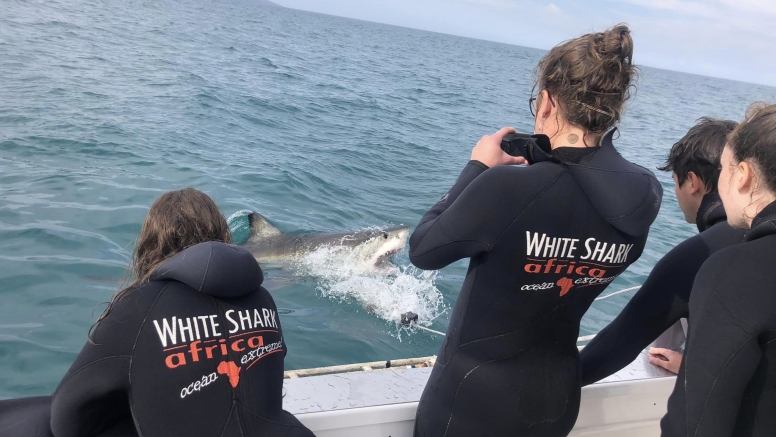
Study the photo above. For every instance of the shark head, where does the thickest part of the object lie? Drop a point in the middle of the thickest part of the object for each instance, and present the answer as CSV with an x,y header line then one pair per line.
x,y
369,248
377,247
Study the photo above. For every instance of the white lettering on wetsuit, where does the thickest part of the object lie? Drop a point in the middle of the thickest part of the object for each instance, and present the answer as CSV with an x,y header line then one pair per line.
x,y
261,351
542,246
592,281
198,385
535,287
174,331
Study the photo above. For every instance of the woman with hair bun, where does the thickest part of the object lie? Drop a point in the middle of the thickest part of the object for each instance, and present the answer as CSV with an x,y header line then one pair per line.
x,y
544,242
727,381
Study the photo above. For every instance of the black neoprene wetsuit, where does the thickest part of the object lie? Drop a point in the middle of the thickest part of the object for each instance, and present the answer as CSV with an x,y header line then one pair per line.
x,y
662,300
25,417
544,241
197,351
727,382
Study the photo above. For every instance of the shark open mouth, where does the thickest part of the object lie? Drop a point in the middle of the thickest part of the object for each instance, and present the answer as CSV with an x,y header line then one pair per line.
x,y
385,259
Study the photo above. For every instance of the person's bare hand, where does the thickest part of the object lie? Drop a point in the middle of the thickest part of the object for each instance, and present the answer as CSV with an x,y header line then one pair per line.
x,y
665,358
488,150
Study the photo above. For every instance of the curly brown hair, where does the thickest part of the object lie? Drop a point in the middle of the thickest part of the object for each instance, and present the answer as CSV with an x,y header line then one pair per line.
x,y
591,77
177,220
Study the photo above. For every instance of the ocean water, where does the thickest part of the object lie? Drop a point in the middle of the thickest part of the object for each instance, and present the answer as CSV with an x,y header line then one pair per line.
x,y
317,122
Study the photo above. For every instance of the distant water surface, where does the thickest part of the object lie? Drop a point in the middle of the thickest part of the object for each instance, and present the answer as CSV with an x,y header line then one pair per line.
x,y
319,123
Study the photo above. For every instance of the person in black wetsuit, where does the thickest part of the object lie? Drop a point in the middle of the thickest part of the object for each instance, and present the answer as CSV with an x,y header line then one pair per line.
x,y
663,299
193,348
25,417
544,241
727,382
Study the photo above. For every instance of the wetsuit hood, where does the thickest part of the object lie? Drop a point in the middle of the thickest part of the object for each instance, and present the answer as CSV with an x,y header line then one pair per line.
x,y
214,268
626,195
711,212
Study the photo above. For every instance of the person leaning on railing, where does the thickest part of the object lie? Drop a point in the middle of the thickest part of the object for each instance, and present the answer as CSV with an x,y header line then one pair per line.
x,y
663,299
727,382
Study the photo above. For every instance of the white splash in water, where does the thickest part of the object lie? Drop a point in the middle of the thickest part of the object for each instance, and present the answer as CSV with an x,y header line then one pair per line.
x,y
387,293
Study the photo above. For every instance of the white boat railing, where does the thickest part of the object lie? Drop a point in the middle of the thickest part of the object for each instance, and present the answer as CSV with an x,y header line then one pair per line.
x,y
363,367
410,362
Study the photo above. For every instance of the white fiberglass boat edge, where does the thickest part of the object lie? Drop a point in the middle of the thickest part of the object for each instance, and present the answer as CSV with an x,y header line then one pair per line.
x,y
383,403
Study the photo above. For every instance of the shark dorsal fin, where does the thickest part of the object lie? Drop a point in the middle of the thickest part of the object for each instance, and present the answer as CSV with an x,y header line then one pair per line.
x,y
261,227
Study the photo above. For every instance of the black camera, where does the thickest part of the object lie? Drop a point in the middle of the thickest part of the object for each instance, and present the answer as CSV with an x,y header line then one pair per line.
x,y
533,148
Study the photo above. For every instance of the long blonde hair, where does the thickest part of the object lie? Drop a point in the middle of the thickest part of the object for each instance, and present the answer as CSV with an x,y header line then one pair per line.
x,y
177,220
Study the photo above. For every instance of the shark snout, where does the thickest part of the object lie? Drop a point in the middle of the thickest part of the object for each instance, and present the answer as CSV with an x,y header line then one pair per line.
x,y
400,233
390,242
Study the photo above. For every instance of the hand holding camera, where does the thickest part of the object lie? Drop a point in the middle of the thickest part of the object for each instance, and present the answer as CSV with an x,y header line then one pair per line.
x,y
489,152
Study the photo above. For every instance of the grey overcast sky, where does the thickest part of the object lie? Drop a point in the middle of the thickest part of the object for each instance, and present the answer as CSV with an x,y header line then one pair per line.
x,y
733,39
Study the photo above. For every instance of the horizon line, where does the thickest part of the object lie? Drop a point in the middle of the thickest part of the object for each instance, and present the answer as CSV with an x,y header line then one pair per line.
x,y
517,45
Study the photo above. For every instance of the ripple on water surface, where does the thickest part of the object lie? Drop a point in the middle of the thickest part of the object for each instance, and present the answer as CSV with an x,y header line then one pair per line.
x,y
322,124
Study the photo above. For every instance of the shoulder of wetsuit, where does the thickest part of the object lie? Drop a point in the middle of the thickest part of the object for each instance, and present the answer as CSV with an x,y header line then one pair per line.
x,y
216,269
626,195
675,272
732,268
721,235
702,245
739,279
520,180
116,332
528,171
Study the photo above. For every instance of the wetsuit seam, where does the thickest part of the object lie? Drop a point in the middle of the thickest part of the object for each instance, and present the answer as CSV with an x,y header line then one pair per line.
x,y
686,363
549,313
457,389
490,246
452,412
765,344
711,390
465,314
765,219
228,420
739,323
640,204
70,376
438,224
207,268
239,423
132,356
546,188
161,274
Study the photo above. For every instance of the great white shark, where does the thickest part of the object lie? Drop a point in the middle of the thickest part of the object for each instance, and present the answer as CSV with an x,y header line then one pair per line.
x,y
372,247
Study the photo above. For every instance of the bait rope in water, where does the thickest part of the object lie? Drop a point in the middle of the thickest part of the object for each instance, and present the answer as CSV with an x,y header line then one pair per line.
x,y
580,339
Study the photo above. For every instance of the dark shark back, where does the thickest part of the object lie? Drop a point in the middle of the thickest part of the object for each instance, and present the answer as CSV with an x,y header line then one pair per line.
x,y
261,227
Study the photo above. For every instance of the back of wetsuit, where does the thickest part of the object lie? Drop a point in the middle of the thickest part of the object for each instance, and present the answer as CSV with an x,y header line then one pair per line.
x,y
196,351
727,381
544,241
662,300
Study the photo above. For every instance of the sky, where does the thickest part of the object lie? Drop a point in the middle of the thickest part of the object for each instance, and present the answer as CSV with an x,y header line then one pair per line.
x,y
732,39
